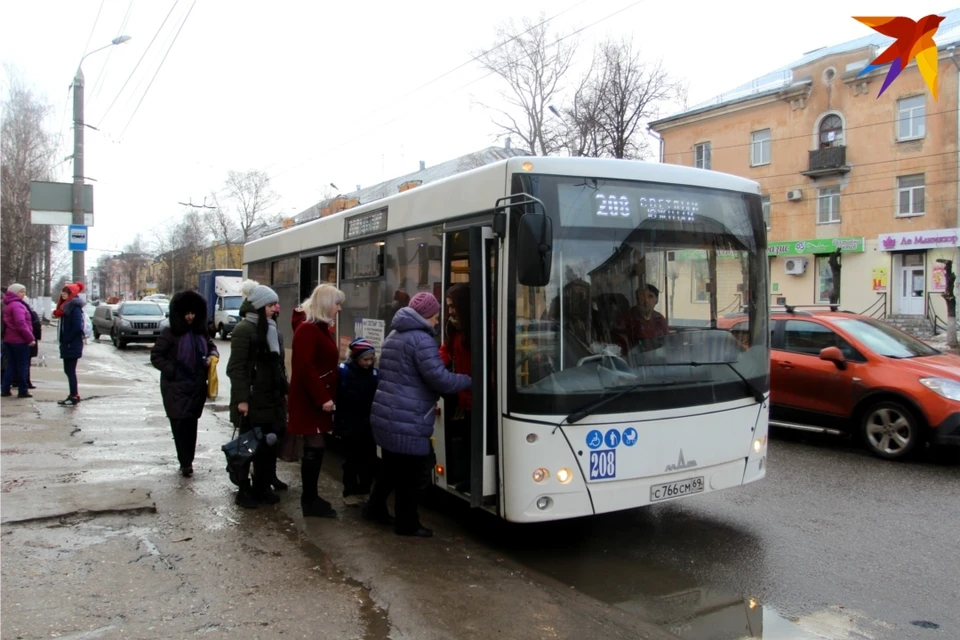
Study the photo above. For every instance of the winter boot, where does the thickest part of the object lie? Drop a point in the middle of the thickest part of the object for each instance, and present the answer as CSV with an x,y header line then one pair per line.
x,y
245,497
312,505
263,469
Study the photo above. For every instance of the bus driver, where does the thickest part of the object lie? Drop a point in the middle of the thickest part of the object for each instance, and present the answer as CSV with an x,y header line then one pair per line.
x,y
642,324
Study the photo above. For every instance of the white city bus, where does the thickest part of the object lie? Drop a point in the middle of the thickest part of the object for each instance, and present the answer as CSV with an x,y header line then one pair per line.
x,y
580,405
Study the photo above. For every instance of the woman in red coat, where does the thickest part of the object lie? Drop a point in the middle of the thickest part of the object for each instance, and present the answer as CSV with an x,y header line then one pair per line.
x,y
313,390
455,351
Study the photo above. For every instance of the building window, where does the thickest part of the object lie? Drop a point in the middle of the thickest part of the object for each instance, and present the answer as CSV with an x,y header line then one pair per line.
x,y
911,118
700,280
760,147
824,279
702,155
831,131
910,195
765,205
828,205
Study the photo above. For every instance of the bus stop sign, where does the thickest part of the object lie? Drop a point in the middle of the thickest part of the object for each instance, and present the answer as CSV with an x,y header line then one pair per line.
x,y
77,238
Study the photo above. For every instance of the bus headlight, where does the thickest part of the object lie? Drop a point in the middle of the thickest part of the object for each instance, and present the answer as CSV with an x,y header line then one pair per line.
x,y
564,476
759,444
540,475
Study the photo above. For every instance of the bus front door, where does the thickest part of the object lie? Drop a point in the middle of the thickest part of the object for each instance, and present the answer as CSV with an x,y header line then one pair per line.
x,y
471,437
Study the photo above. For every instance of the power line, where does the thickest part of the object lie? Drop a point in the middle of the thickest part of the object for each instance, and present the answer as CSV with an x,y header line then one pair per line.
x,y
86,47
95,89
147,90
152,40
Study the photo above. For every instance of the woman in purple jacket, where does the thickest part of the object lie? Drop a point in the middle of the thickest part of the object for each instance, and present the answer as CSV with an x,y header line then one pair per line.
x,y
412,377
17,339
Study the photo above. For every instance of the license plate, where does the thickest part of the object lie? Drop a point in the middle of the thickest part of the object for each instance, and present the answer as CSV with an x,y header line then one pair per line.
x,y
145,333
676,489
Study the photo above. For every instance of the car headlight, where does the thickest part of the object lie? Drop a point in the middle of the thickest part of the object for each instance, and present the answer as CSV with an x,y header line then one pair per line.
x,y
943,386
165,322
124,322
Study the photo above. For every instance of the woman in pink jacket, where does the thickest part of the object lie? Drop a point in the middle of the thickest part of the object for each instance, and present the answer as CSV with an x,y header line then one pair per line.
x,y
17,340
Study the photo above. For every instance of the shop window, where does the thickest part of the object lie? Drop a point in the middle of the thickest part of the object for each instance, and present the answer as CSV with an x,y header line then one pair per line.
x,y
824,279
911,193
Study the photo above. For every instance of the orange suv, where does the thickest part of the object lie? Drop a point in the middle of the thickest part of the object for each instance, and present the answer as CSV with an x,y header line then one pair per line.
x,y
838,372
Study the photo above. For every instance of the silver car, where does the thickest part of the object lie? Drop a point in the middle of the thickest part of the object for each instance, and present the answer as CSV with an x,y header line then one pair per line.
x,y
137,322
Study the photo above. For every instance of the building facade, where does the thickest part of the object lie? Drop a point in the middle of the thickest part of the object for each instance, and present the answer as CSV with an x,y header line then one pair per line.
x,y
843,169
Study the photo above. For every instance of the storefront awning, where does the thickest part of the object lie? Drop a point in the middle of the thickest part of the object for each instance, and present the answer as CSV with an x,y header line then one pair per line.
x,y
814,247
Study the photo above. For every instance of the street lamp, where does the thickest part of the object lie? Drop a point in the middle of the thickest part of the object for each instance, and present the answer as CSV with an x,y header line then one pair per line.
x,y
79,274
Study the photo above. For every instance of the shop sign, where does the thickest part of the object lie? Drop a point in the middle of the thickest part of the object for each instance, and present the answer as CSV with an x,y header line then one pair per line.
x,y
934,239
814,247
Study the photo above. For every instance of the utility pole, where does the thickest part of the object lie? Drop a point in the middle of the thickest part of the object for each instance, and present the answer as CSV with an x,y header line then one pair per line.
x,y
79,274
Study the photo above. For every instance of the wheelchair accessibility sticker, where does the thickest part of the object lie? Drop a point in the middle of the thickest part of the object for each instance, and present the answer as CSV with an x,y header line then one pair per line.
x,y
594,439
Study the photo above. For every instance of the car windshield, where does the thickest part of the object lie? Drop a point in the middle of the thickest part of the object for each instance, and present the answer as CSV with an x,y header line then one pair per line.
x,y
232,303
642,274
885,340
143,309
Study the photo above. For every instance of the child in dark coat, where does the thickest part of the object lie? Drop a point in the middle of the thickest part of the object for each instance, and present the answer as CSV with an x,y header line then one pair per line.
x,y
357,382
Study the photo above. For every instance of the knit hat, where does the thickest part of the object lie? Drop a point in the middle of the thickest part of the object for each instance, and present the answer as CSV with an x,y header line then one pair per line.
x,y
425,304
16,288
258,294
360,347
73,290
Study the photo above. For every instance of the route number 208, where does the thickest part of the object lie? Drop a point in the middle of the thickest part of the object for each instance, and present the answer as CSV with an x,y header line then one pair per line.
x,y
603,464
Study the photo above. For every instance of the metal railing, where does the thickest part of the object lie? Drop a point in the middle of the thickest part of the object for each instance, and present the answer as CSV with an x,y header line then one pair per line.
x,y
938,323
827,158
878,309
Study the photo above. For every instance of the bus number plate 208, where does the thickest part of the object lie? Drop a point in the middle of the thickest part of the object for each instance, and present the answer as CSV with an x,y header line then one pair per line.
x,y
676,489
603,464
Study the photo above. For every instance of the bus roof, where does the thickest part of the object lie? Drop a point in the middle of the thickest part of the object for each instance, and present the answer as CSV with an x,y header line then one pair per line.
x,y
477,190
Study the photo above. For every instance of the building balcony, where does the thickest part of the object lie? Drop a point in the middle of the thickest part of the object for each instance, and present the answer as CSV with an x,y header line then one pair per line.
x,y
826,162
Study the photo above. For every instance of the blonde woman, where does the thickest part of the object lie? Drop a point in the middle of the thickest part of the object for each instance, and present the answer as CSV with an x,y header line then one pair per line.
x,y
313,390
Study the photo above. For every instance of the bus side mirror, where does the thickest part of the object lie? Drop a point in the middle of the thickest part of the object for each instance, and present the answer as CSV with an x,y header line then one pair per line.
x,y
534,250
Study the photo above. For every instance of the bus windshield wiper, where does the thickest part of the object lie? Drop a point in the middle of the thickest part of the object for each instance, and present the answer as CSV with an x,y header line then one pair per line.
x,y
619,392
754,391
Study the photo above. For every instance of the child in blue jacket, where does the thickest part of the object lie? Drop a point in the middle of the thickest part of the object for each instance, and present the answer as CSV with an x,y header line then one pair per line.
x,y
357,380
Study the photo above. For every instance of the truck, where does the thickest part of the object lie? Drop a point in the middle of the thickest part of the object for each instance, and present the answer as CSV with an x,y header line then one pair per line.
x,y
221,288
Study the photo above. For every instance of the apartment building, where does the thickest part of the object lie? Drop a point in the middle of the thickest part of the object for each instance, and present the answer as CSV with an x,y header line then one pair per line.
x,y
843,169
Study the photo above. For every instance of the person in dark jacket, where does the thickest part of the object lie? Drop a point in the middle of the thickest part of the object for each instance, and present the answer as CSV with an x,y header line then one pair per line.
x,y
412,377
182,354
18,338
313,391
356,387
70,336
258,388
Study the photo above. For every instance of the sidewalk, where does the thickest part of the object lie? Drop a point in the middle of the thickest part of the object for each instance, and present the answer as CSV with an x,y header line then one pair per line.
x,y
102,538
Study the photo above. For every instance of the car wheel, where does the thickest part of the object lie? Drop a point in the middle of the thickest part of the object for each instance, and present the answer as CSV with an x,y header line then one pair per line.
x,y
890,430
113,338
223,332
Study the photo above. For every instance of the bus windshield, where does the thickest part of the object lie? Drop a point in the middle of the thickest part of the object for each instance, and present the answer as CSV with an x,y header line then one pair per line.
x,y
647,281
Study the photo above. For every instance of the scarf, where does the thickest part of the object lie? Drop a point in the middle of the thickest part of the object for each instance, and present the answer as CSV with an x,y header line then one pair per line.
x,y
273,339
191,351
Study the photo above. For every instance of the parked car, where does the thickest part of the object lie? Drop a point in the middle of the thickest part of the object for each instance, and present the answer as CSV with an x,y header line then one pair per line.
x,y
103,320
137,322
838,372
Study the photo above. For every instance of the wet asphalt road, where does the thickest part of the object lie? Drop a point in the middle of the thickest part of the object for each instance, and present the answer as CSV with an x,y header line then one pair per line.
x,y
832,544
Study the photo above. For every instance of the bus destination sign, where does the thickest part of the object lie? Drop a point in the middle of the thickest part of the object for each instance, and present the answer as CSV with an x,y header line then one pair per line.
x,y
365,224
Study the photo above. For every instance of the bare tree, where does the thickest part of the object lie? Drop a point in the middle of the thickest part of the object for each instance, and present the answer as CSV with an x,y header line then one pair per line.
x,y
132,261
617,97
532,62
27,152
241,207
950,298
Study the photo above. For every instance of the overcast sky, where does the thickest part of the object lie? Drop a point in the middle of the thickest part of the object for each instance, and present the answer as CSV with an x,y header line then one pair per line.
x,y
348,93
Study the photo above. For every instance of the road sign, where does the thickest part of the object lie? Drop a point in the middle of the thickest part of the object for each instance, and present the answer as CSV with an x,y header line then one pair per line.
x,y
52,203
77,238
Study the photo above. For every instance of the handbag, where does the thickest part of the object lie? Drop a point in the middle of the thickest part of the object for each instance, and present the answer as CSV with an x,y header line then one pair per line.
x,y
241,450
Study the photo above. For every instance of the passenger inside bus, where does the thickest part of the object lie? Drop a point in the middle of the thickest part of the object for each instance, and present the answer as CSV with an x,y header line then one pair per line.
x,y
455,352
642,325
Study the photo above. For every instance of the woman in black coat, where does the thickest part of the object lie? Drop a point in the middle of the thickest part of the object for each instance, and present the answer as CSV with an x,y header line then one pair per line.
x,y
182,354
